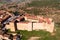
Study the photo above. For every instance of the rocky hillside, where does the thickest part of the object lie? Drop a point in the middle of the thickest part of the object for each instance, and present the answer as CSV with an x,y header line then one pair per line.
x,y
4,1
47,8
9,1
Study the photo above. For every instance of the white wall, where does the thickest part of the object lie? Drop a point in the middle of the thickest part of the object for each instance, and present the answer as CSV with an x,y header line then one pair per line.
x,y
50,27
10,26
28,26
37,26
24,26
44,26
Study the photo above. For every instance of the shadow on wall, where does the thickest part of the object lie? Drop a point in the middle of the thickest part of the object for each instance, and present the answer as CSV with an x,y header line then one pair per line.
x,y
15,25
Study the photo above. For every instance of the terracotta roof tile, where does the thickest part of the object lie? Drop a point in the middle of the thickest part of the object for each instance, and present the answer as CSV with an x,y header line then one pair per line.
x,y
31,17
0,19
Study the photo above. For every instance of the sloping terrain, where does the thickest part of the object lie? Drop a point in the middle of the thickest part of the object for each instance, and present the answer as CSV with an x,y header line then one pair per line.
x,y
47,8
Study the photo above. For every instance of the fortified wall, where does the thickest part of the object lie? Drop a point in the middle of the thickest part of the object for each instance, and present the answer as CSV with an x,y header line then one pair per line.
x,y
31,26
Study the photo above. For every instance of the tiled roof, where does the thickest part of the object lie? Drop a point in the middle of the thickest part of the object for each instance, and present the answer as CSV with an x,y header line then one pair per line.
x,y
41,19
31,17
1,12
47,20
6,17
0,19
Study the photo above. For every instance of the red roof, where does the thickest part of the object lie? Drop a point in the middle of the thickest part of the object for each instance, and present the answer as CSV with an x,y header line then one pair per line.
x,y
47,20
1,12
31,17
0,19
41,19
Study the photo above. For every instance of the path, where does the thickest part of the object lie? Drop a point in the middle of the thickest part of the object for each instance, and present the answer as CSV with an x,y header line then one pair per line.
x,y
33,38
